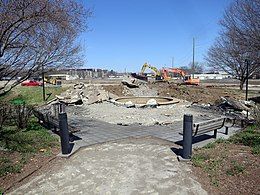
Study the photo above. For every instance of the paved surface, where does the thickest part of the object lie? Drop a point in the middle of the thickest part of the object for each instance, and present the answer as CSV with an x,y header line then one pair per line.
x,y
130,166
119,160
94,131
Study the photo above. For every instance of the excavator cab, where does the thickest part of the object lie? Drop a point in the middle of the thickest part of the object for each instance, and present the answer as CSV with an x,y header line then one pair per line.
x,y
188,80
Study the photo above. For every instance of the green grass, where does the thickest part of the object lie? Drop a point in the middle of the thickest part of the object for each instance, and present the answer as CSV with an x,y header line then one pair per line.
x,y
7,166
1,191
248,137
32,95
209,165
29,140
199,159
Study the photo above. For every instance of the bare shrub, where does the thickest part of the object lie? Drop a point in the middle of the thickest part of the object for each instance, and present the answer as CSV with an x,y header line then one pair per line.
x,y
21,115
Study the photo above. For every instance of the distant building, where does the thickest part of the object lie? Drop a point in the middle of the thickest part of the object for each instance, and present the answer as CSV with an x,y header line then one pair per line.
x,y
82,73
216,75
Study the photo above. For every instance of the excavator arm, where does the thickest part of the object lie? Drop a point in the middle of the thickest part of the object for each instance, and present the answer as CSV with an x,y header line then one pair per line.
x,y
154,69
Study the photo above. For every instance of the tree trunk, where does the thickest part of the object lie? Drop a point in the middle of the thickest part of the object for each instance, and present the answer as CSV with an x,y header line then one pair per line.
x,y
242,81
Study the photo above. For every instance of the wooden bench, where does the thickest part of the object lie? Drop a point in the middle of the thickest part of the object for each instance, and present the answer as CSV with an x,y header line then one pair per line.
x,y
212,125
51,122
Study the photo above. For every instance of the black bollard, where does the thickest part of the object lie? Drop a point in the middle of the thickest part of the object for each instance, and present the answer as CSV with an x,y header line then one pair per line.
x,y
64,133
187,136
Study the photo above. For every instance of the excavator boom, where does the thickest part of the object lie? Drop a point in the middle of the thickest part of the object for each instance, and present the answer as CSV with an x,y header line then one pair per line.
x,y
154,69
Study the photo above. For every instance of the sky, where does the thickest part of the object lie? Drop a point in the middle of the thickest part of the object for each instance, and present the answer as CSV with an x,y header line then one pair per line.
x,y
124,34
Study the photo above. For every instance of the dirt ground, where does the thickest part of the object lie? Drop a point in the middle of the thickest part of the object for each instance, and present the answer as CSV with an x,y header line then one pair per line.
x,y
198,94
230,169
30,164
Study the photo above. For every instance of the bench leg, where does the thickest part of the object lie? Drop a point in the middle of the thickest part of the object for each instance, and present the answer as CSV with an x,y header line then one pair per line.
x,y
215,133
226,131
242,123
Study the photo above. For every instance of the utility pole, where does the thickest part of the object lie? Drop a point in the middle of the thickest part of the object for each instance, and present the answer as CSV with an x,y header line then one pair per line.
x,y
43,86
247,64
172,62
193,57
247,75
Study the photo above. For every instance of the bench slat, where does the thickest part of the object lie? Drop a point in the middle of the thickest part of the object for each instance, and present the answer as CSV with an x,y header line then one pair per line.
x,y
210,121
211,125
214,125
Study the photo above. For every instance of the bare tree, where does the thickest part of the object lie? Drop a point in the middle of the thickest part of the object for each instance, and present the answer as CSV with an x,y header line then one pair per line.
x,y
190,69
197,67
36,34
238,40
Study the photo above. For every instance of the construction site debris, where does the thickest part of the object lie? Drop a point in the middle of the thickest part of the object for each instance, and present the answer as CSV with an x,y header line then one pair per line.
x,y
129,84
81,93
231,103
255,99
79,86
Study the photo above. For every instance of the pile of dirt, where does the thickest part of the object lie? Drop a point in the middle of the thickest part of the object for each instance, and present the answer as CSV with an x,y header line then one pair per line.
x,y
198,94
115,89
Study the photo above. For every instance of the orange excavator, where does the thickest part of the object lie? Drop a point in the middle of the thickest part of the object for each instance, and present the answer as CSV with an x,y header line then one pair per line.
x,y
187,79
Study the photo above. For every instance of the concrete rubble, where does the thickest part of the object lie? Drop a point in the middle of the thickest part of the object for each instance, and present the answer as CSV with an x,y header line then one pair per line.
x,y
81,94
151,112
238,109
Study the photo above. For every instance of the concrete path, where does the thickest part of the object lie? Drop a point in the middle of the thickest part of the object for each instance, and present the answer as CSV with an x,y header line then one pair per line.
x,y
129,166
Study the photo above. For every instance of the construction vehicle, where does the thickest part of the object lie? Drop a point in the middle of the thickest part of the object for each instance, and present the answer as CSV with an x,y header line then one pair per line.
x,y
187,79
52,80
157,73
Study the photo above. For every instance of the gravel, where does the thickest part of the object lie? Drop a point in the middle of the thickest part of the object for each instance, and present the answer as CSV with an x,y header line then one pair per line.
x,y
111,113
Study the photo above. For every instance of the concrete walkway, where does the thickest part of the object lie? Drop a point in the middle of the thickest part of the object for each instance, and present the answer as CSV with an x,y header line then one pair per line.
x,y
129,166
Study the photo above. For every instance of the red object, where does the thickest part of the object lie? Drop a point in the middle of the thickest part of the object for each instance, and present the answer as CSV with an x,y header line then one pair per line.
x,y
31,83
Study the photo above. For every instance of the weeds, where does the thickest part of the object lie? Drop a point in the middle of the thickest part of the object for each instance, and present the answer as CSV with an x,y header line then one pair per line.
x,y
208,164
249,137
210,145
256,150
1,191
199,159
235,169
221,140
7,166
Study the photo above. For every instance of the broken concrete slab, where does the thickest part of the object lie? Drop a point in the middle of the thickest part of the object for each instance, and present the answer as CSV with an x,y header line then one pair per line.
x,y
228,102
82,94
129,84
79,86
255,99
